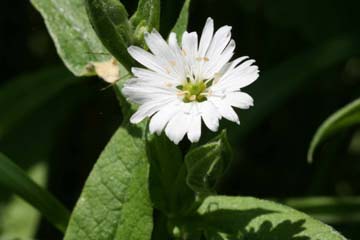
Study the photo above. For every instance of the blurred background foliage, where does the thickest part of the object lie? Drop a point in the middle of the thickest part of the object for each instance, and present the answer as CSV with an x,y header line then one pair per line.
x,y
55,125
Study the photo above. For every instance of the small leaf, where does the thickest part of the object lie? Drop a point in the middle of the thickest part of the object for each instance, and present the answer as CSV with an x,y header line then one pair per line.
x,y
245,218
344,118
182,21
75,40
15,179
148,11
109,19
207,163
168,188
115,202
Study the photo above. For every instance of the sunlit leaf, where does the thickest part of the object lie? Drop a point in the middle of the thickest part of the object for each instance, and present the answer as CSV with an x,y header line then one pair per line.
x,y
115,202
75,40
226,218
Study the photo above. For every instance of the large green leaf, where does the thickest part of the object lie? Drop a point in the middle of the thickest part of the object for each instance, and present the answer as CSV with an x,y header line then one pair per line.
x,y
147,14
109,19
182,21
207,163
115,202
15,179
246,218
75,40
342,119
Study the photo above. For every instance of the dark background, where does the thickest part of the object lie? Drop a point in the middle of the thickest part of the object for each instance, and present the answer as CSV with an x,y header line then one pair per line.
x,y
308,54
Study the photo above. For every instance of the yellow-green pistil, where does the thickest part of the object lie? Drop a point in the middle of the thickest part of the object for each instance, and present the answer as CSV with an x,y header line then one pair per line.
x,y
194,91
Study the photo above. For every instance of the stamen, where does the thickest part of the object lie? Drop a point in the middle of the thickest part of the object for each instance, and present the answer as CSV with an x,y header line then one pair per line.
x,y
183,52
169,85
192,98
206,59
198,59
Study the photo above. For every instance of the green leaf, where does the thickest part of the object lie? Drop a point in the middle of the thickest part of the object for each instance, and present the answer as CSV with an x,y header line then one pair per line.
x,y
342,119
24,94
148,11
243,218
168,187
109,19
115,203
18,219
75,40
15,179
207,163
182,21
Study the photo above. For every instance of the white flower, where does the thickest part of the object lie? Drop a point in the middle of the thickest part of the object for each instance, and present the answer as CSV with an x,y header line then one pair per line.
x,y
182,85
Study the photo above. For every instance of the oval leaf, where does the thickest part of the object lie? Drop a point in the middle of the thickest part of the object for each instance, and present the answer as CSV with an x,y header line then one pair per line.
x,y
344,118
115,202
207,163
244,218
75,40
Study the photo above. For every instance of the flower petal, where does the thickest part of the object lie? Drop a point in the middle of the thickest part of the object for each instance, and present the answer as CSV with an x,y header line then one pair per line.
x,y
177,127
210,115
147,109
239,99
194,131
162,117
206,37
225,109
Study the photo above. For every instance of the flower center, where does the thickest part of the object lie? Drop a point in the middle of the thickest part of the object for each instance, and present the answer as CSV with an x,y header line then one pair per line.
x,y
194,91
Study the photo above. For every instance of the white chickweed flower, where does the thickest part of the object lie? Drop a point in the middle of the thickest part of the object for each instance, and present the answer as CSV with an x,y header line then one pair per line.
x,y
182,85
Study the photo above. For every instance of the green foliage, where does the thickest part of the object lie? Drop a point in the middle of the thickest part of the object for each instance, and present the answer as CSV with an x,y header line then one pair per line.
x,y
245,218
115,202
137,171
18,219
109,19
182,21
74,38
344,118
168,187
147,15
16,180
207,163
